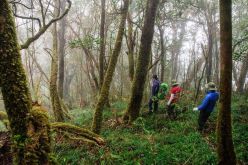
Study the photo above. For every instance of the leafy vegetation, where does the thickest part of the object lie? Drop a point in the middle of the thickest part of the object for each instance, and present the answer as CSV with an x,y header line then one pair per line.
x,y
154,139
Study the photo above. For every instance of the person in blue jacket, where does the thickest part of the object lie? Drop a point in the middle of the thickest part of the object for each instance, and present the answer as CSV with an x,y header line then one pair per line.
x,y
154,92
207,105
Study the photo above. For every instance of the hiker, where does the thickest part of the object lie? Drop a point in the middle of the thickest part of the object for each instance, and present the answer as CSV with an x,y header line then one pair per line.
x,y
173,98
153,101
207,105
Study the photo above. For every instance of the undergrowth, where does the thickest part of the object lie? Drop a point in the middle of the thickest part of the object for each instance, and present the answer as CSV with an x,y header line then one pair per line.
x,y
155,139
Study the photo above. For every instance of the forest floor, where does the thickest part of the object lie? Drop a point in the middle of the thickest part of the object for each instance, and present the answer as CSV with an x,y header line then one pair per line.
x,y
154,139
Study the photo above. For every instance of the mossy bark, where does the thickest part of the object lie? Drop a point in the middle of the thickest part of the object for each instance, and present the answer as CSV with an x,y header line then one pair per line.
x,y
143,62
3,115
39,148
97,120
77,134
55,100
225,148
15,92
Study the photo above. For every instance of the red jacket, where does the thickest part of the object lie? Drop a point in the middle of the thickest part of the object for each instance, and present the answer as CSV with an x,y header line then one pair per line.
x,y
176,91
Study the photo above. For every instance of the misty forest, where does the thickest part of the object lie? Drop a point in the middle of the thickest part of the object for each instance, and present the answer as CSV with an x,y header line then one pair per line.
x,y
136,82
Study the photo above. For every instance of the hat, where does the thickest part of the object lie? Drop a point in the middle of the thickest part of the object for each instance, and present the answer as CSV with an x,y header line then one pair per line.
x,y
174,83
211,86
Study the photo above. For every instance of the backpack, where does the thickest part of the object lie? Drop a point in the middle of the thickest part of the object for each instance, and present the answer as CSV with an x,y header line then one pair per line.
x,y
162,91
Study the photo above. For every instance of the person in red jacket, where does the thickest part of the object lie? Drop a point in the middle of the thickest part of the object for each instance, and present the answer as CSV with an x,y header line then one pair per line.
x,y
173,98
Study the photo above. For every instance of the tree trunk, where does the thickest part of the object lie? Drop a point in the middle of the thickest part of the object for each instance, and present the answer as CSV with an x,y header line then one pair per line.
x,y
15,91
62,41
102,44
17,98
209,55
197,65
143,62
163,57
225,148
177,45
55,100
242,76
131,45
97,120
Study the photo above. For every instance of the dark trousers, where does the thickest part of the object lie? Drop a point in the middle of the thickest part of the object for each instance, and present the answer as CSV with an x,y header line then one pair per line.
x,y
171,111
203,117
155,104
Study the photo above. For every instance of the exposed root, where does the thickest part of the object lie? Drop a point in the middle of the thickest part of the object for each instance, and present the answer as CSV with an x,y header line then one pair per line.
x,y
74,133
38,145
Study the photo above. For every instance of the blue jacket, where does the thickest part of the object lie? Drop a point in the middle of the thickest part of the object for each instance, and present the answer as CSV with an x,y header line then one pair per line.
x,y
209,101
155,87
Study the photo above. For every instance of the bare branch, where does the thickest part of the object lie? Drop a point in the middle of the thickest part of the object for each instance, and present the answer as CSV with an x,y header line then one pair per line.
x,y
42,13
24,17
19,3
45,27
49,3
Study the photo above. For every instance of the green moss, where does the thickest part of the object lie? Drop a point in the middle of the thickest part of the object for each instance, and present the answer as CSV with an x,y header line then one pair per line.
x,y
38,144
15,91
76,133
3,115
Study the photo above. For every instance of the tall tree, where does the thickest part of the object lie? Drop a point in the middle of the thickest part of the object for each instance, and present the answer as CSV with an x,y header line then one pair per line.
x,y
141,71
102,43
225,148
242,76
97,120
163,55
55,100
15,92
62,41
17,98
131,44
178,37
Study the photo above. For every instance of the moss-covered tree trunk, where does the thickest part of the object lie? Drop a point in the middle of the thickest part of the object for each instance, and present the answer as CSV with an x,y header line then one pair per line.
x,y
225,148
15,92
143,61
17,98
55,100
97,121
